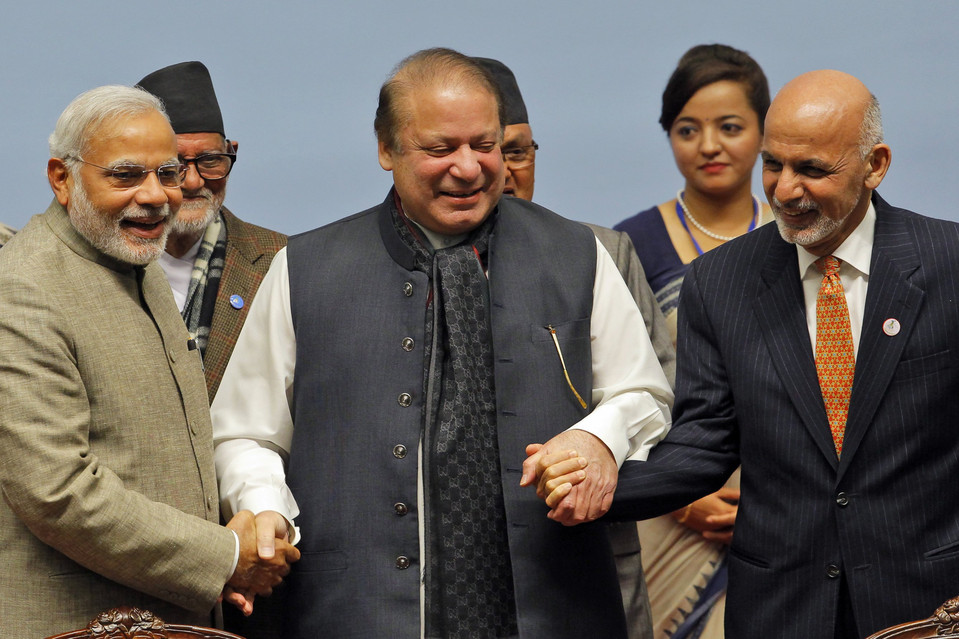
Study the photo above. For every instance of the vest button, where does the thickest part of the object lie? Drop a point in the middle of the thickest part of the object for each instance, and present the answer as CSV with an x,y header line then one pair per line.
x,y
399,451
402,562
400,508
842,499
407,344
408,289
832,571
404,400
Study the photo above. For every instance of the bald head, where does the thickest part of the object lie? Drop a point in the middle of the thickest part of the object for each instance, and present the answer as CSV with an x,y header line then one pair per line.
x,y
816,90
833,99
822,158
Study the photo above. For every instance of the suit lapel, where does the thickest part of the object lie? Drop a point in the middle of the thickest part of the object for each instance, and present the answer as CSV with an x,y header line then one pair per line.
x,y
780,311
890,295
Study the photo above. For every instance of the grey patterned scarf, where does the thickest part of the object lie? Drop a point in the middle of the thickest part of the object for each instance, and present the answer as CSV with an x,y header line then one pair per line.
x,y
469,578
205,282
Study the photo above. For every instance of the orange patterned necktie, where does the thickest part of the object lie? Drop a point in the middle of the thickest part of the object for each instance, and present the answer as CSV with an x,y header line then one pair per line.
x,y
835,355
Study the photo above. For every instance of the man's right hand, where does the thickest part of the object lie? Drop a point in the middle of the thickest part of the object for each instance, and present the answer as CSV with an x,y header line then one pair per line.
x,y
265,557
713,516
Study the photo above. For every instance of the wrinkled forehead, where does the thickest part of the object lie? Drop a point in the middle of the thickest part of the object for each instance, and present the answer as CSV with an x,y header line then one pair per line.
x,y
812,126
452,111
517,135
141,138
197,143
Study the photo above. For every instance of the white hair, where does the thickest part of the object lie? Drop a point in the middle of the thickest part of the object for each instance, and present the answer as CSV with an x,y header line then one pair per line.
x,y
870,131
91,109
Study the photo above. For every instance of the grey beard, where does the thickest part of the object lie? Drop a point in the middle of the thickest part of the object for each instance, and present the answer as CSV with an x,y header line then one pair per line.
x,y
105,234
197,226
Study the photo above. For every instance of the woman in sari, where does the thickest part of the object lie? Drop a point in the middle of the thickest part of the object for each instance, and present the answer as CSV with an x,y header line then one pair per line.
x,y
713,111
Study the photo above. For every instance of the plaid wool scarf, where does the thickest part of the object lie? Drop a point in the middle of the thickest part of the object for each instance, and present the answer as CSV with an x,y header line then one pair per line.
x,y
204,283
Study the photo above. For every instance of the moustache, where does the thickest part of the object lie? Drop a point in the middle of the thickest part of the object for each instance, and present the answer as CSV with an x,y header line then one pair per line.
x,y
797,206
135,212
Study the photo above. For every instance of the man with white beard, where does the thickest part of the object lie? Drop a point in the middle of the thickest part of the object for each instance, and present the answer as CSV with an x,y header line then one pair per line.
x,y
214,261
106,453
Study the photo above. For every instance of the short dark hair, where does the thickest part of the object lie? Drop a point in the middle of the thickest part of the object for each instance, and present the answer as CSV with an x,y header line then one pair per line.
x,y
705,64
426,68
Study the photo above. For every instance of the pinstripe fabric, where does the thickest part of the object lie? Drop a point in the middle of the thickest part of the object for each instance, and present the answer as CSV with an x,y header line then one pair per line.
x,y
249,251
884,515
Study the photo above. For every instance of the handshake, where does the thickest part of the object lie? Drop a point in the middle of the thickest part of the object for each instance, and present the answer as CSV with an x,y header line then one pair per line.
x,y
265,557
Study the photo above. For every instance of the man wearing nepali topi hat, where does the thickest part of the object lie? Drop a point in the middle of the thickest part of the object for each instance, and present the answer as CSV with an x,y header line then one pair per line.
x,y
519,156
213,260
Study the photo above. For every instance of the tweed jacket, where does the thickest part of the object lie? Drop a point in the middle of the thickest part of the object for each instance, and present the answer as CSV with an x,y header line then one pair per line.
x,y
106,456
5,233
621,249
249,252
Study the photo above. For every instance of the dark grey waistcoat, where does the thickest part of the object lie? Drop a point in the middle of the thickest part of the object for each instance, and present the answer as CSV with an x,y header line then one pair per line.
x,y
359,312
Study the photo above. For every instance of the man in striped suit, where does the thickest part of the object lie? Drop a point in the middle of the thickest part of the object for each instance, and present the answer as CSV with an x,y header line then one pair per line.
x,y
847,522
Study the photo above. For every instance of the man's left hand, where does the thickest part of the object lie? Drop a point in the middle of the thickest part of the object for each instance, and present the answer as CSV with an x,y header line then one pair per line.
x,y
585,501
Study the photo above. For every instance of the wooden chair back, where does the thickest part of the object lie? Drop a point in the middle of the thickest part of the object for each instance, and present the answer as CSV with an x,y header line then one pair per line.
x,y
943,624
133,623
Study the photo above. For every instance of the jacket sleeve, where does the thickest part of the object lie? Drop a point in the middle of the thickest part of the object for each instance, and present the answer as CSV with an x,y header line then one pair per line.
x,y
52,477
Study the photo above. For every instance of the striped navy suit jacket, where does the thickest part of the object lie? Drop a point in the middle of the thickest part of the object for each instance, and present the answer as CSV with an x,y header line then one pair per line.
x,y
886,516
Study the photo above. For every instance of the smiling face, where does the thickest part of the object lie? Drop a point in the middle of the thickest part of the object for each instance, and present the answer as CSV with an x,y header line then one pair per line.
x,y
814,175
716,138
129,224
448,171
202,198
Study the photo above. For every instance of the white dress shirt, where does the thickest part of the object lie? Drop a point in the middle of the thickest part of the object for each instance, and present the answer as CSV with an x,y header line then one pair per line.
x,y
855,253
253,424
179,271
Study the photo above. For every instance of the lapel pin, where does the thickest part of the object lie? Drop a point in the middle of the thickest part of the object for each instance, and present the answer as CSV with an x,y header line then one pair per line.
x,y
237,302
891,327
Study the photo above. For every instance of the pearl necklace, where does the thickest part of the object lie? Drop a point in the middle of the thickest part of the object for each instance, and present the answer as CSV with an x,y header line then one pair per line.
x,y
715,236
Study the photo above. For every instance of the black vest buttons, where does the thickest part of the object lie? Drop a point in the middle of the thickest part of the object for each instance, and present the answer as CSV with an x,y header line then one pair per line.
x,y
399,451
404,400
407,344
402,562
408,289
400,508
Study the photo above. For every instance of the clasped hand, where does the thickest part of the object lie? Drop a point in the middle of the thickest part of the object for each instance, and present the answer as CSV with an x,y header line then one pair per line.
x,y
574,473
265,557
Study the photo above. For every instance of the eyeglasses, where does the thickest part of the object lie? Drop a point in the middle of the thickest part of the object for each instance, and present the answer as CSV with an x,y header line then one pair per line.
x,y
128,176
520,156
212,166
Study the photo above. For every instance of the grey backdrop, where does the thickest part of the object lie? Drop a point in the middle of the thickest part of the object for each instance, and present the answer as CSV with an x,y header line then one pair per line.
x,y
297,83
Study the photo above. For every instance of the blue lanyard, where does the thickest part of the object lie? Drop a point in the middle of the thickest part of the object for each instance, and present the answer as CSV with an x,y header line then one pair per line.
x,y
682,220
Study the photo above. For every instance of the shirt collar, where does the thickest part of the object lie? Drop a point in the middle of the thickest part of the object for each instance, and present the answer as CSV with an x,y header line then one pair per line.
x,y
856,250
438,240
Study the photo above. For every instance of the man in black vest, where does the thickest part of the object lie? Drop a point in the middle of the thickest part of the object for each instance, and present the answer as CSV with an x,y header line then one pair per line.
x,y
396,364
